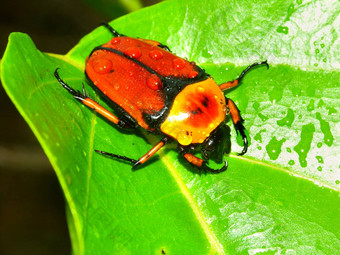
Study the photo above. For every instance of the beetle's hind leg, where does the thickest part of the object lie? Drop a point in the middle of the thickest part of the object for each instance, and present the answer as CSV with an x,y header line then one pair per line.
x,y
90,103
238,123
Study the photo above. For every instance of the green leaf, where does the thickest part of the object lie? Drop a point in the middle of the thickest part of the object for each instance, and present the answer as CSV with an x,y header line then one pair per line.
x,y
282,197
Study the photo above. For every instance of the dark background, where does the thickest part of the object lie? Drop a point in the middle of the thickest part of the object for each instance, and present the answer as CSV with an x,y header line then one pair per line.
x,y
32,208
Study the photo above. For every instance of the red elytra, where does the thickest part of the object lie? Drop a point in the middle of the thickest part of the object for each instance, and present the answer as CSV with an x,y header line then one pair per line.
x,y
164,94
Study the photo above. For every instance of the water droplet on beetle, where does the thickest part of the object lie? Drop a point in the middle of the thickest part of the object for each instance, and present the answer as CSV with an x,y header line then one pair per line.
x,y
153,82
178,63
115,40
155,54
193,74
133,52
200,89
103,66
183,138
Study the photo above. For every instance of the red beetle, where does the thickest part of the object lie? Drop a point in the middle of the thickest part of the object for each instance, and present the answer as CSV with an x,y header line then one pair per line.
x,y
167,95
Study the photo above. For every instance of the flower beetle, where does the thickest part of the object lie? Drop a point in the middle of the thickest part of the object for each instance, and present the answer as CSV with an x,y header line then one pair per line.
x,y
166,95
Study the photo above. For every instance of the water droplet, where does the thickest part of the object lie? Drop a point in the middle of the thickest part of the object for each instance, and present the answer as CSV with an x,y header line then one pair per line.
x,y
291,162
290,11
316,64
155,54
310,106
326,130
192,74
331,111
337,182
299,1
256,106
317,51
322,45
154,82
315,43
259,147
282,29
133,52
288,120
289,149
115,40
275,94
324,60
262,117
258,136
178,63
103,66
303,147
320,159
274,147
183,138
321,103
200,89
319,145
319,168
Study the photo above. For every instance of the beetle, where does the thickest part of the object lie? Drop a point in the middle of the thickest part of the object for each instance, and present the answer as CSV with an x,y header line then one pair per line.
x,y
156,90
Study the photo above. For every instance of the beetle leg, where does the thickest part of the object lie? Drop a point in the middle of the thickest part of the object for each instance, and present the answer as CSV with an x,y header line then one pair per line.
x,y
234,83
90,103
143,159
198,162
193,160
238,123
114,32
151,152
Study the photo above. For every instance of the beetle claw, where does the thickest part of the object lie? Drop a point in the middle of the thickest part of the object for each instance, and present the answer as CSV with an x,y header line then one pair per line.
x,y
215,171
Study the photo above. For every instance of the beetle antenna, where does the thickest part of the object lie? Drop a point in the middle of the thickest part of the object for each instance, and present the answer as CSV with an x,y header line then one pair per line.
x,y
133,161
107,25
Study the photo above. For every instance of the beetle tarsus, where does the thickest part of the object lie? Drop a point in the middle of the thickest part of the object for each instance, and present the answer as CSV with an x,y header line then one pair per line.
x,y
251,67
112,30
215,171
240,129
111,155
76,94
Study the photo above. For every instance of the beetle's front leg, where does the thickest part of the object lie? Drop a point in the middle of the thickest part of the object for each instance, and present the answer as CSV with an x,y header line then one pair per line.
x,y
200,163
90,103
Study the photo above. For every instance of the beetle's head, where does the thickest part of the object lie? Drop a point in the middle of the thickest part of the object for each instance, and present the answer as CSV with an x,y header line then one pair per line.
x,y
217,144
